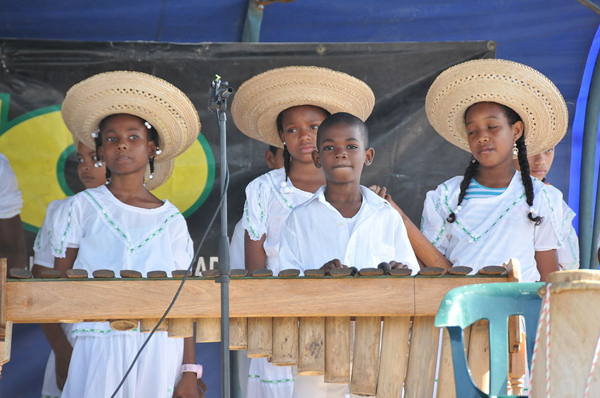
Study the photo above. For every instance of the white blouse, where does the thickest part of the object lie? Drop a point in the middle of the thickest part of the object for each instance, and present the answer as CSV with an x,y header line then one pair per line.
x,y
490,231
41,246
316,233
269,201
11,200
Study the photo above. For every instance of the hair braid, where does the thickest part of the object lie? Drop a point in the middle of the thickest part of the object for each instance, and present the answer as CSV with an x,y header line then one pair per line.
x,y
526,178
469,174
287,161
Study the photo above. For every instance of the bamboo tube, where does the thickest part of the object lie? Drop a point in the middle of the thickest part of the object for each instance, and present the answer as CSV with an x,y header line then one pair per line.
x,y
285,341
311,346
208,330
423,354
337,350
260,337
146,325
238,334
394,356
180,327
366,355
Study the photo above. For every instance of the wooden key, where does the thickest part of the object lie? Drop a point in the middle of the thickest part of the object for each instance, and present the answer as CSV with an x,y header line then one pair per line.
x,y
130,273
180,273
262,272
400,272
431,271
156,274
211,273
314,272
289,273
460,270
385,267
19,273
371,272
50,274
77,273
492,270
103,273
338,272
238,273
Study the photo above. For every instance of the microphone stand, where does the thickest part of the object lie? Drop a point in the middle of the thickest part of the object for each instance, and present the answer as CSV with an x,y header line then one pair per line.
x,y
217,103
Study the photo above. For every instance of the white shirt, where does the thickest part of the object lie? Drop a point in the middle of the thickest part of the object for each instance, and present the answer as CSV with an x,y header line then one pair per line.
x,y
490,231
316,233
269,201
568,253
236,247
11,200
41,246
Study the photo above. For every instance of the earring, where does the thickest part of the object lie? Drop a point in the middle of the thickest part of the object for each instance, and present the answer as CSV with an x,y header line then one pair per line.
x,y
151,161
473,160
515,149
158,151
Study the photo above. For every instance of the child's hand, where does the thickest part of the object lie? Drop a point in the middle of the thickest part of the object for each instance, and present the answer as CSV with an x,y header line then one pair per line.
x,y
335,263
62,360
190,387
382,191
395,265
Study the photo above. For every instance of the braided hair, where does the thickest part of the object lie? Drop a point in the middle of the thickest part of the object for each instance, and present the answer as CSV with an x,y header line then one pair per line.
x,y
287,158
473,167
152,136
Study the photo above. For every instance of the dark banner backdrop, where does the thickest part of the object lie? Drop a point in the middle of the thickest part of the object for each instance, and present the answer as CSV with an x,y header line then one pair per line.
x,y
35,75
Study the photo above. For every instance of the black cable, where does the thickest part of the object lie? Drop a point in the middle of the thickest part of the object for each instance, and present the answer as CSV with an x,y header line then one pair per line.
x,y
194,260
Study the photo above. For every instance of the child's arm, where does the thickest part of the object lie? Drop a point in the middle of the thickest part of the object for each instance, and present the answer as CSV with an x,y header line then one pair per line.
x,y
254,253
547,262
189,386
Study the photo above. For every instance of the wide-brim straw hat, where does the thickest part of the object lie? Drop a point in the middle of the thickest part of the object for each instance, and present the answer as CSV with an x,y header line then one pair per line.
x,y
523,89
155,100
262,98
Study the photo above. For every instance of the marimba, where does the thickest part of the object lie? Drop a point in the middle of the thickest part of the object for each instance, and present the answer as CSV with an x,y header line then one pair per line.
x,y
305,321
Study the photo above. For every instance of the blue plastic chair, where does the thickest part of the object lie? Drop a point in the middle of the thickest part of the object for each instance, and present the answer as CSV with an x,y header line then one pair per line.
x,y
495,302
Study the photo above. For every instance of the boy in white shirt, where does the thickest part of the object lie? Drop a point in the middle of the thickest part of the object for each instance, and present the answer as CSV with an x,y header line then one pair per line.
x,y
344,224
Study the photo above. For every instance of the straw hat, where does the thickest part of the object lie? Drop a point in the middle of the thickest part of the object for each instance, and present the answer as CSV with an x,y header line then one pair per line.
x,y
262,98
155,100
525,90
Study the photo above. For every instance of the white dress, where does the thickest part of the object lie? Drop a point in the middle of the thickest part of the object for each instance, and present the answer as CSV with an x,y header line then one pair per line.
x,y
43,256
568,253
11,200
490,231
113,235
268,204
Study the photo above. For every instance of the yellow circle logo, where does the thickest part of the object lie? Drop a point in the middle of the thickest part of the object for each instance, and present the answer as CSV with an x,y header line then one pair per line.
x,y
38,143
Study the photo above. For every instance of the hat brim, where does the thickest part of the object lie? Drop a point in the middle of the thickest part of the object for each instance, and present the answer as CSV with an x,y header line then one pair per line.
x,y
260,100
155,100
528,92
162,172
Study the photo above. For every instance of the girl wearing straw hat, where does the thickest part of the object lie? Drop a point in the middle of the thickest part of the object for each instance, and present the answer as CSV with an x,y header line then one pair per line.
x,y
138,125
497,110
284,107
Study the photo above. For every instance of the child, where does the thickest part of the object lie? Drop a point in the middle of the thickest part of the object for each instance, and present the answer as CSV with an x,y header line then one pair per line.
x,y
91,177
284,107
349,224
496,109
12,241
568,253
121,225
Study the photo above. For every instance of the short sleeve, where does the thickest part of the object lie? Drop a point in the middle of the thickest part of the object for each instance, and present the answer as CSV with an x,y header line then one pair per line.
x,y
433,222
67,226
255,208
182,244
11,200
289,254
547,235
41,245
568,254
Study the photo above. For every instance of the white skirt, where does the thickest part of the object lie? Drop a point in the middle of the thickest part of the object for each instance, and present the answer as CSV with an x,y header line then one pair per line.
x,y
266,380
99,363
